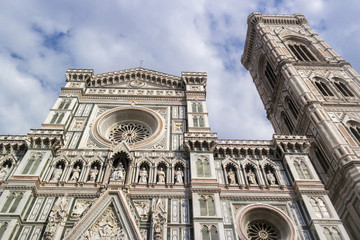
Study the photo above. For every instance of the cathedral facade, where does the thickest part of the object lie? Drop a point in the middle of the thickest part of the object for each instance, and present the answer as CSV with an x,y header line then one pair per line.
x,y
130,155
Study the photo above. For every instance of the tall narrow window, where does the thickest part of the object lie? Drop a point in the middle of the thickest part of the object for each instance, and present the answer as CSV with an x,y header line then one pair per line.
x,y
200,107
322,160
53,120
343,89
270,75
3,228
67,104
201,121
193,107
205,233
62,104
29,165
195,122
8,202
302,53
292,107
61,116
16,203
213,233
287,122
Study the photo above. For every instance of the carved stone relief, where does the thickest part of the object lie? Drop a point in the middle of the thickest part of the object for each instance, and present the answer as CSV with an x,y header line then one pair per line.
x,y
107,227
79,207
142,207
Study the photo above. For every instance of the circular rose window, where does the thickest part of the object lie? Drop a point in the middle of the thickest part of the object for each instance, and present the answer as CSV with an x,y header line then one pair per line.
x,y
130,132
264,222
134,125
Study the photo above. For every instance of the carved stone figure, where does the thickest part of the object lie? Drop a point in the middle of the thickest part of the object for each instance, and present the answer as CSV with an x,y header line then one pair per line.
x,y
79,207
271,178
142,208
57,215
107,227
57,174
93,174
179,176
161,175
4,172
118,174
143,175
76,174
251,177
232,176
158,219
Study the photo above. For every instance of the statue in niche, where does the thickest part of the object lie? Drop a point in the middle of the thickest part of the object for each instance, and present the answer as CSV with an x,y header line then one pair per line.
x,y
93,174
161,175
118,174
76,174
4,172
57,174
143,175
271,178
231,176
251,176
179,176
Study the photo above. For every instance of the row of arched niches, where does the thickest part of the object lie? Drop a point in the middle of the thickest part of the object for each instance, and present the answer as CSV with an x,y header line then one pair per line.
x,y
122,169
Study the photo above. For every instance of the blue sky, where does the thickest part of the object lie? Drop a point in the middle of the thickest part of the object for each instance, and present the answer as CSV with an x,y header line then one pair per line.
x,y
40,40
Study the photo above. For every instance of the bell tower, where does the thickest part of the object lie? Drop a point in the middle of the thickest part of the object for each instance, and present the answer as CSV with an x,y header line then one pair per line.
x,y
308,89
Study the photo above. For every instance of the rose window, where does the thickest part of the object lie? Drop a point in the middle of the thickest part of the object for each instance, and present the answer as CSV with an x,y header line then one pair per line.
x,y
129,132
260,230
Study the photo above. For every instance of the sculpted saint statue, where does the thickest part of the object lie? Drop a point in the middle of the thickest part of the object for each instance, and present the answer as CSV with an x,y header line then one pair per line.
x,y
161,175
57,174
143,175
76,174
4,171
232,176
93,174
179,176
118,174
271,178
251,177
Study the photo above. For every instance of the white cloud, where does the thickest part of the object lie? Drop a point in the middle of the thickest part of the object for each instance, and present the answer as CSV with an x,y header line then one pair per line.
x,y
170,36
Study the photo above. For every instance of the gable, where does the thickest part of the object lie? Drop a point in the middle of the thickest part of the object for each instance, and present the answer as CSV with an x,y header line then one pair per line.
x,y
109,217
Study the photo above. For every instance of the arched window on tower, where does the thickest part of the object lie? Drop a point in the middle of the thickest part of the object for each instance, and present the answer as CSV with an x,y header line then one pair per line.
x,y
207,206
301,52
292,107
302,169
354,128
319,207
270,75
209,233
323,88
343,89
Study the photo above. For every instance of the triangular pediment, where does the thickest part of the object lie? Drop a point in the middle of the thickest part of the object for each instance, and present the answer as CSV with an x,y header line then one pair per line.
x,y
109,217
136,78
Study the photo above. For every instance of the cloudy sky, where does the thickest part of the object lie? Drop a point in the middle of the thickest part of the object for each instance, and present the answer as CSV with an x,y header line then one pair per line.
x,y
40,40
